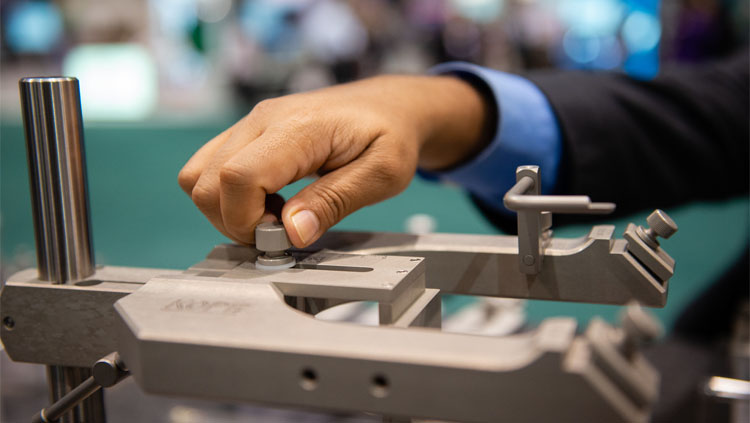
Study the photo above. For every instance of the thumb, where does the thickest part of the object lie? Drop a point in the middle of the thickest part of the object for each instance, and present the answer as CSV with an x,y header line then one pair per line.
x,y
370,178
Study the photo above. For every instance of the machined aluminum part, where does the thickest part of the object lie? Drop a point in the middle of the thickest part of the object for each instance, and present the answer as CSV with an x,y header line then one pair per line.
x,y
224,329
595,268
234,337
42,320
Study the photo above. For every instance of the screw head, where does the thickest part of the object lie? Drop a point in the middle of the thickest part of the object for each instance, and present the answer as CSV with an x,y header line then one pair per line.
x,y
661,224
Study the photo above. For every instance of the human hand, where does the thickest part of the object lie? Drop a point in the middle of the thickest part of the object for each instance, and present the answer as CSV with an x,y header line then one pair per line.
x,y
364,139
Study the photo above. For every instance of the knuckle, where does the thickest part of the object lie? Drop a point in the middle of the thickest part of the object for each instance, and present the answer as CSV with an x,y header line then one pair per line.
x,y
400,168
388,170
187,179
231,174
392,173
335,204
239,230
263,107
204,197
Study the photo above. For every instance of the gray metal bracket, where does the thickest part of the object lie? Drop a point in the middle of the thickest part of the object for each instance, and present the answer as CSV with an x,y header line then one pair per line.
x,y
535,218
226,328
224,318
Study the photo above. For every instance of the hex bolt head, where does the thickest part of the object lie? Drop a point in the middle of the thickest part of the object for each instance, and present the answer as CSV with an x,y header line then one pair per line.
x,y
271,236
661,224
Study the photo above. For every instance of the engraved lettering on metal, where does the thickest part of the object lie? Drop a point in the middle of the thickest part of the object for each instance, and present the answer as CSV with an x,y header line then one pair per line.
x,y
200,306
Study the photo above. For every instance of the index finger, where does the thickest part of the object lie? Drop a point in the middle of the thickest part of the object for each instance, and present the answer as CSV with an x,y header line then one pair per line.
x,y
192,170
262,167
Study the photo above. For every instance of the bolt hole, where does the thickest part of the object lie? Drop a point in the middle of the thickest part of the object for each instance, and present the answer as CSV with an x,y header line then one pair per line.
x,y
309,380
9,323
380,385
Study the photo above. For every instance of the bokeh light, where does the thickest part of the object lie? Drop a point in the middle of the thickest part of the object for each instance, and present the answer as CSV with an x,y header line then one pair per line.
x,y
268,22
479,10
591,18
641,31
220,55
118,81
611,54
175,17
212,11
346,39
33,27
582,50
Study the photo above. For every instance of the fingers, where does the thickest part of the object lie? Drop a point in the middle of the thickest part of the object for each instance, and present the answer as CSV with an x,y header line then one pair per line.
x,y
281,141
206,191
207,160
264,166
191,172
374,176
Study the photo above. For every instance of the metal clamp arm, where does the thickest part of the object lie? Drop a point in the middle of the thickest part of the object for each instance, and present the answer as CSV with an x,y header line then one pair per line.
x,y
518,199
534,219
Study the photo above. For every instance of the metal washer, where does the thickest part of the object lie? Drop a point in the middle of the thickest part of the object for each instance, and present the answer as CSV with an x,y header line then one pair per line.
x,y
275,263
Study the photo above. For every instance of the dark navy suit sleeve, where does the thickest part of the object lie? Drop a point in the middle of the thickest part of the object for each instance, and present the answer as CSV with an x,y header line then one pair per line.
x,y
680,137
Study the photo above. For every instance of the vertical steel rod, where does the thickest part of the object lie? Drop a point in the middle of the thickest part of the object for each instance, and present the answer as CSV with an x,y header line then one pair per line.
x,y
54,145
51,108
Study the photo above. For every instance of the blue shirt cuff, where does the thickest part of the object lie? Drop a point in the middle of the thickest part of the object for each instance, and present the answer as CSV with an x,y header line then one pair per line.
x,y
527,134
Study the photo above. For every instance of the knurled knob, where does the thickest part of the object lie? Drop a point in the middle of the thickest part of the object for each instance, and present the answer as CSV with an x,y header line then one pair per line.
x,y
661,224
271,236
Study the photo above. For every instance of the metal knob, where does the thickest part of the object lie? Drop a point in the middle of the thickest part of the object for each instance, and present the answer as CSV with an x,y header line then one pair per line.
x,y
271,238
660,224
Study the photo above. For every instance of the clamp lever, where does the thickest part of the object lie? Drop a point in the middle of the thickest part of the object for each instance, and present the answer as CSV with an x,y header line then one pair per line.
x,y
535,215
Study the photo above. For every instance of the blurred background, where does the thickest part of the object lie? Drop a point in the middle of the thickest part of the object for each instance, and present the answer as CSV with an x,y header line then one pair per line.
x,y
161,77
207,59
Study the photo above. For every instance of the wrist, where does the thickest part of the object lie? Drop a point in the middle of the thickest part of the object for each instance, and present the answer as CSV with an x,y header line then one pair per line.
x,y
462,121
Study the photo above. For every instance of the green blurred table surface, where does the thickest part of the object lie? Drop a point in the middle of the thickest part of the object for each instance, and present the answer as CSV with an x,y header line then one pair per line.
x,y
140,217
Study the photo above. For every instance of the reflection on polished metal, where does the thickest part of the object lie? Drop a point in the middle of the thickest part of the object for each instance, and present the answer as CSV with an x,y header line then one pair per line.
x,y
54,142
51,110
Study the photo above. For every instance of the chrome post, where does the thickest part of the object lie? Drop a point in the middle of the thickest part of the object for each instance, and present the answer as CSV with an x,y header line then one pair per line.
x,y
51,108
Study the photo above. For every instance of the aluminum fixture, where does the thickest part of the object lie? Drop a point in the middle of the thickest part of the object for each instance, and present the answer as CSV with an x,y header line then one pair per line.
x,y
535,215
225,329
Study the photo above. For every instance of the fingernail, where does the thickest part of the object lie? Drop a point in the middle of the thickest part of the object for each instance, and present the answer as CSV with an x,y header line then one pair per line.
x,y
306,224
